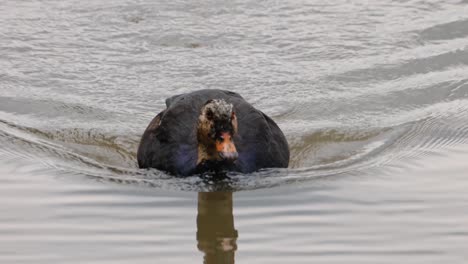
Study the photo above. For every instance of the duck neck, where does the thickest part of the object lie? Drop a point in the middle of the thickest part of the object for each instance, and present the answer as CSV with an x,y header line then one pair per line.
x,y
206,153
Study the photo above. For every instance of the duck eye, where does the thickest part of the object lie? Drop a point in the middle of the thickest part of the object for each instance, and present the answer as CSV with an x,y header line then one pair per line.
x,y
209,114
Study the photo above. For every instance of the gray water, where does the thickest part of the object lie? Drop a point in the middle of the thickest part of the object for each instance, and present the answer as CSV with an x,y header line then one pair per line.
x,y
372,97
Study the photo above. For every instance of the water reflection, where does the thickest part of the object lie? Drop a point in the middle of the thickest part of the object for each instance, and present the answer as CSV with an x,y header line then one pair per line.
x,y
216,235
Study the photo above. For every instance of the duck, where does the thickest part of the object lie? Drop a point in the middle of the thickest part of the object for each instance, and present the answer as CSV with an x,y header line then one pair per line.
x,y
211,130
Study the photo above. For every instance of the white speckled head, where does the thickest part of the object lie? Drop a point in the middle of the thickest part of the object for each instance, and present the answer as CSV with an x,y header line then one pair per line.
x,y
217,109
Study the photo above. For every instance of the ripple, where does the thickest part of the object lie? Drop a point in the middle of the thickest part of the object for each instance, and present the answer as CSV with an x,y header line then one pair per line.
x,y
407,68
445,31
324,153
102,158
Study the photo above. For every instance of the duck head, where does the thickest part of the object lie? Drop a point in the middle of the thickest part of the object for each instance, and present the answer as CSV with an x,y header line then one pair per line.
x,y
217,126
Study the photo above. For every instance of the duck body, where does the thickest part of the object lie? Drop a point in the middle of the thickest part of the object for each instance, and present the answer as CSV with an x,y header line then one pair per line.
x,y
171,143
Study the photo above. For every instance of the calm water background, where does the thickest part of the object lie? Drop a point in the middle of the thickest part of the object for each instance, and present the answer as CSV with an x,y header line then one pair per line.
x,y
372,96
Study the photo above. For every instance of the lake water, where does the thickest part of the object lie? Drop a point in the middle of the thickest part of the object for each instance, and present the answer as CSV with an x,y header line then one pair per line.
x,y
372,97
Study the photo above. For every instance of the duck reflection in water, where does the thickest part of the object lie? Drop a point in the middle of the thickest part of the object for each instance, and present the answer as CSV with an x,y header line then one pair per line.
x,y
216,235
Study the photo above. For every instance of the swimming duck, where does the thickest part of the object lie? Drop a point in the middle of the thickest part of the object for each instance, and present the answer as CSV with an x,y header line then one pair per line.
x,y
212,130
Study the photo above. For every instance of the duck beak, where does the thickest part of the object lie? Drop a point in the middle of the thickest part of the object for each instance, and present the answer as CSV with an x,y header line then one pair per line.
x,y
226,148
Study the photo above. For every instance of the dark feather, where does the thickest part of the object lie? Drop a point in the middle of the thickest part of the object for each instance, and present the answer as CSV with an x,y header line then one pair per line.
x,y
170,141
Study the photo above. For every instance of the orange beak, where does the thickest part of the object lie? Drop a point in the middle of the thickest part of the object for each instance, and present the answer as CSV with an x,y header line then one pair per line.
x,y
226,148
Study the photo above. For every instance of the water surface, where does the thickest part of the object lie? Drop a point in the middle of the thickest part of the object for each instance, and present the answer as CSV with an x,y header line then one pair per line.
x,y
372,97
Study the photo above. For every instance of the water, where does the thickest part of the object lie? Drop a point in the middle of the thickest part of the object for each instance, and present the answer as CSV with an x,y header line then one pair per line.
x,y
373,99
